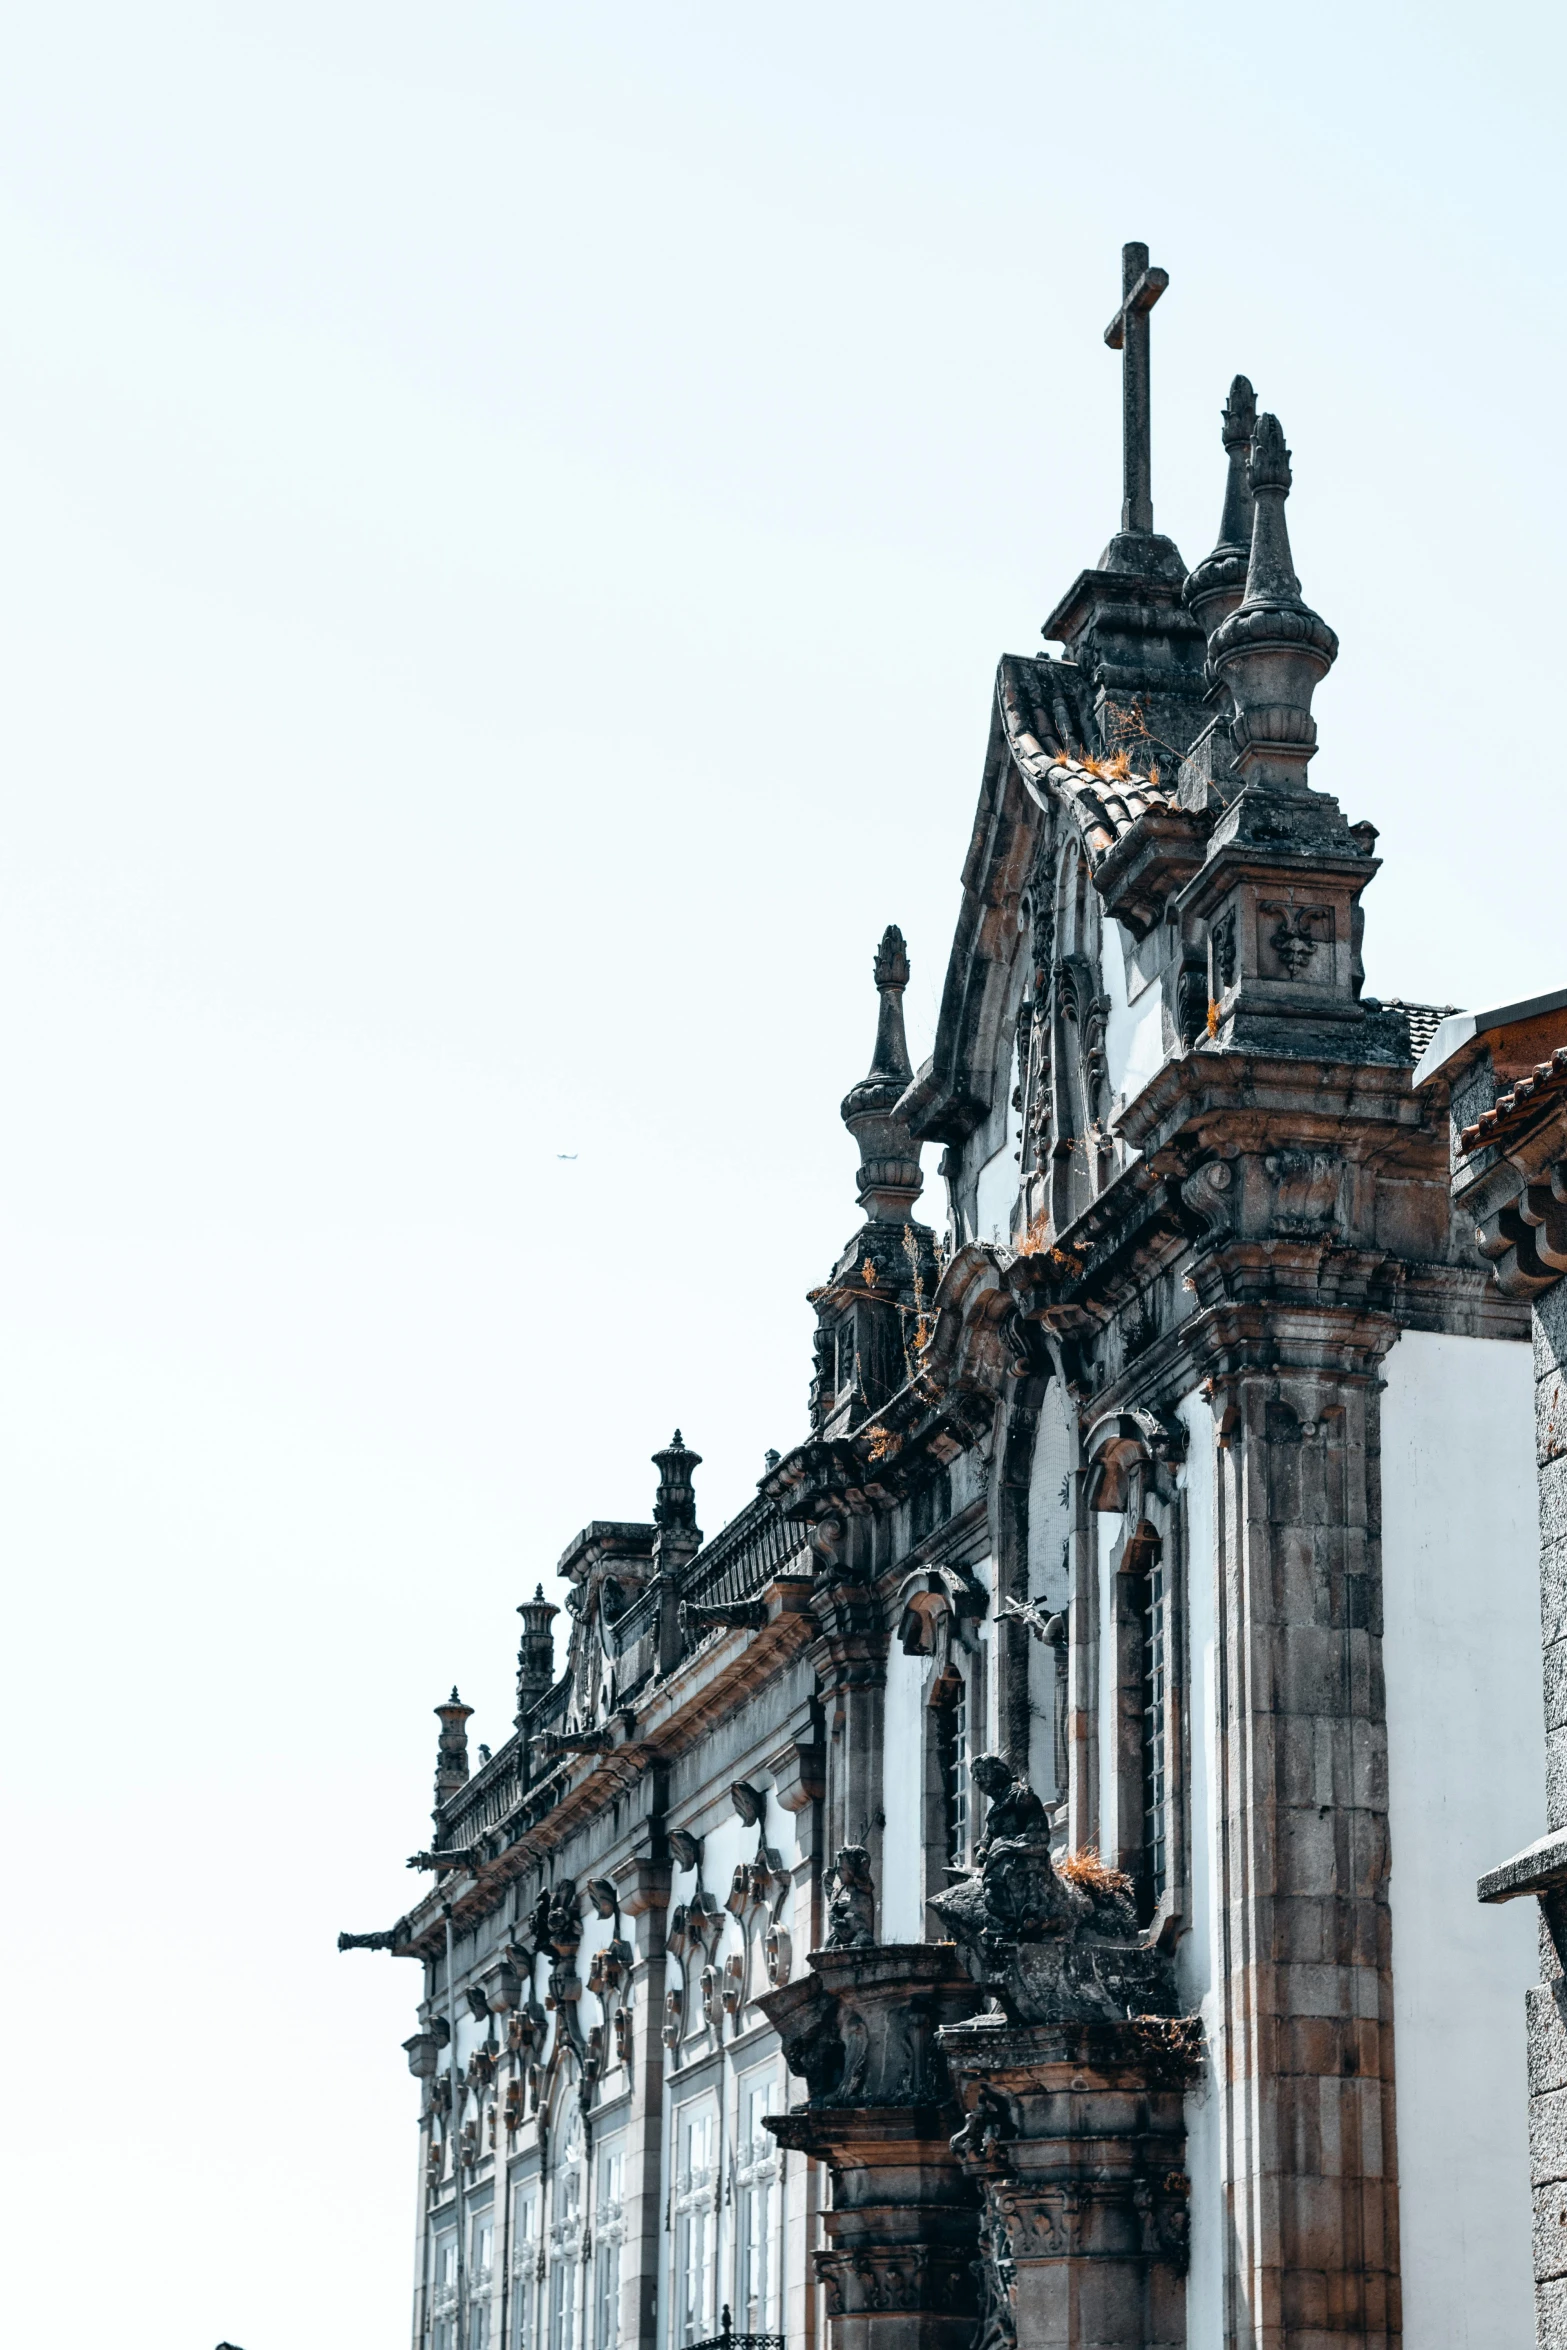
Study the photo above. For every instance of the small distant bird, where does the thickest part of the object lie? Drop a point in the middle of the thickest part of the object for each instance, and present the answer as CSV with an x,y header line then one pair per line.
x,y
565,1154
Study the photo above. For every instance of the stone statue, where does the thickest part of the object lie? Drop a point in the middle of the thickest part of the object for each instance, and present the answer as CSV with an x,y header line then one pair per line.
x,y
851,1913
1056,1944
1015,1810
1045,1625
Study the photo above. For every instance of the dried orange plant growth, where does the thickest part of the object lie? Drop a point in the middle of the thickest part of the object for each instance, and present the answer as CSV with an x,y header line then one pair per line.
x,y
1085,1868
1036,1242
881,1444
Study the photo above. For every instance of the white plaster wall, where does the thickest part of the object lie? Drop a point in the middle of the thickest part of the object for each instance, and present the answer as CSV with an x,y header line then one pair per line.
x,y
1134,1033
1049,1577
984,1727
902,1889
1466,1787
1196,1954
1000,1178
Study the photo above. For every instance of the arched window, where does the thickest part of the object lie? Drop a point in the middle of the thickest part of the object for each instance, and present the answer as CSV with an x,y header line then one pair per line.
x,y
1137,1509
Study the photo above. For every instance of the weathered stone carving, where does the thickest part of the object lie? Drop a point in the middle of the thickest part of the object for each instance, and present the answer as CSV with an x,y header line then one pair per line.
x,y
565,1920
1075,2134
862,2027
851,1913
1054,1945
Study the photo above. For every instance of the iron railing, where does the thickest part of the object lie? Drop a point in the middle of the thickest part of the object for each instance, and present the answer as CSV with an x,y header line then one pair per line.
x,y
728,2339
744,1558
495,1786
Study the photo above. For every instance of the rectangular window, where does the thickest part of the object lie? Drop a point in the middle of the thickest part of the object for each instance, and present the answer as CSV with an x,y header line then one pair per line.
x,y
1153,1723
696,2179
568,2213
524,2263
443,2291
563,2303
952,1755
758,2212
608,2235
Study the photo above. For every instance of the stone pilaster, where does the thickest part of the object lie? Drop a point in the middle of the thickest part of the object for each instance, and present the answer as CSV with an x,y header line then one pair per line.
x,y
1075,2135
642,1882
1071,2089
1303,2057
849,1656
862,2029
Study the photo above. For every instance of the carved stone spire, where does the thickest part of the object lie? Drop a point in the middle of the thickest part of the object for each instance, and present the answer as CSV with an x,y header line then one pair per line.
x,y
889,1180
451,1755
1273,651
1218,582
536,1653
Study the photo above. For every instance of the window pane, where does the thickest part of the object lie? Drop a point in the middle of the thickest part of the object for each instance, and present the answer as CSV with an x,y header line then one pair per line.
x,y
1153,1710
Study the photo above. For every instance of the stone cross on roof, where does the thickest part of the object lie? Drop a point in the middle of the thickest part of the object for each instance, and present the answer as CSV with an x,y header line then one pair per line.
x,y
1127,333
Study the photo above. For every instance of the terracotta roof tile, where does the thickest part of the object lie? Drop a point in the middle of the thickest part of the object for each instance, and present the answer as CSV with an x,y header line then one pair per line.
x,y
1530,1094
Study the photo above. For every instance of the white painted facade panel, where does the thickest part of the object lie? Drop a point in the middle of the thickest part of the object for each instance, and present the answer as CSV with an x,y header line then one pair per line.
x,y
1196,1954
1466,1765
1049,1580
902,1801
1134,1032
1109,1526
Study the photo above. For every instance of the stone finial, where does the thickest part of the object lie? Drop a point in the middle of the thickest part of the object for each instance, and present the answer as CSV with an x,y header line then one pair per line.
x,y
451,1759
678,1539
851,1913
889,1180
1273,651
674,1511
1216,585
535,1653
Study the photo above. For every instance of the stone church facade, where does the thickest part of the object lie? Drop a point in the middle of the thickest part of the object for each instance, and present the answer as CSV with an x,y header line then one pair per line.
x,y
1014,1884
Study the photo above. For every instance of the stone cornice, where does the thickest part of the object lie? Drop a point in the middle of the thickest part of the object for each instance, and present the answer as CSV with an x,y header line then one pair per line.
x,y
1369,1102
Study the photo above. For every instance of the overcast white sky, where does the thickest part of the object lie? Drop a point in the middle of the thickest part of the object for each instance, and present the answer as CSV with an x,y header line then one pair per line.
x,y
507,519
